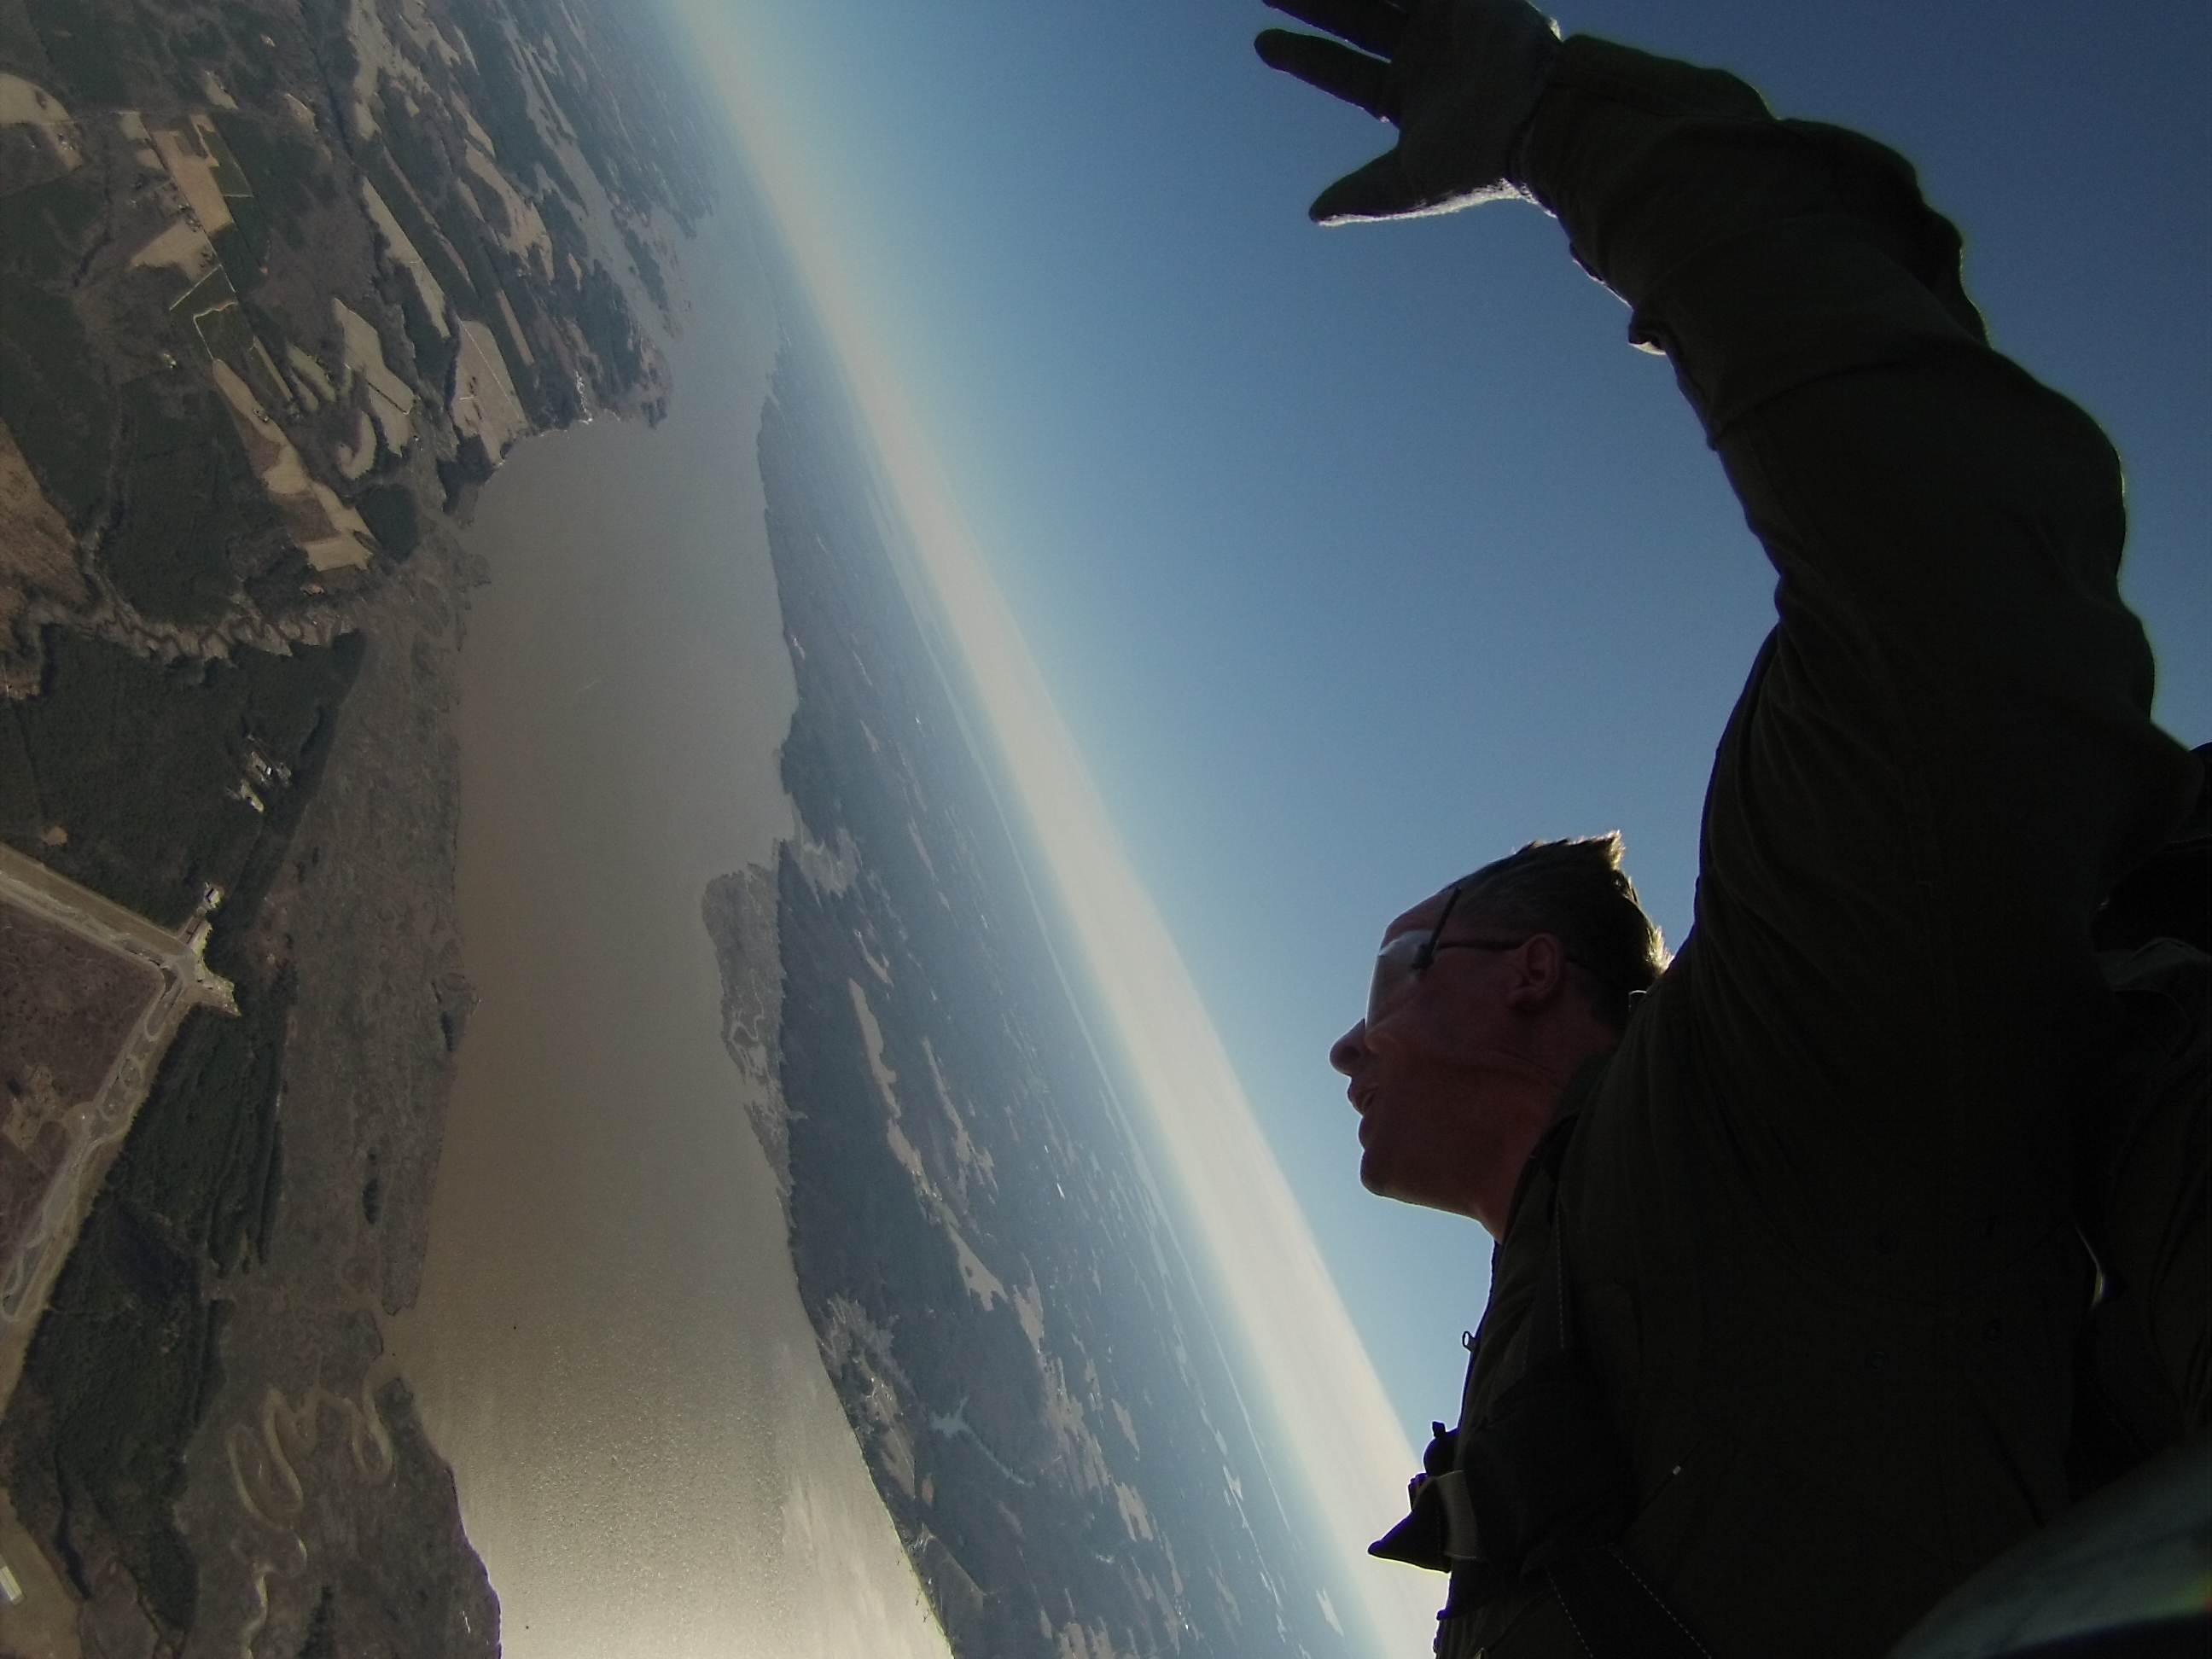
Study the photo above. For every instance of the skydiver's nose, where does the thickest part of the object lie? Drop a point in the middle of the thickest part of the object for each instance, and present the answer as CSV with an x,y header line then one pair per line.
x,y
1346,1052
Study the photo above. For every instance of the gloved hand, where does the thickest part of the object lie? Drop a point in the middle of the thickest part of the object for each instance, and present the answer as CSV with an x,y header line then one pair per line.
x,y
1459,78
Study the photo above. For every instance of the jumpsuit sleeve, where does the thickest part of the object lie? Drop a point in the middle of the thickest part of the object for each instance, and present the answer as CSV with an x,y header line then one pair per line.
x,y
1945,756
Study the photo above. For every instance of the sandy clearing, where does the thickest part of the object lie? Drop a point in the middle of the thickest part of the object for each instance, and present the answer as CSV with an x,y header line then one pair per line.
x,y
132,125
189,165
330,534
373,54
525,228
403,253
349,546
356,459
183,246
306,370
23,103
274,459
391,399
483,402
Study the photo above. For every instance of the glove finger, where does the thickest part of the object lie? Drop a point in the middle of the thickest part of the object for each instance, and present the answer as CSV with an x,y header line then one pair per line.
x,y
1375,26
1337,70
1379,189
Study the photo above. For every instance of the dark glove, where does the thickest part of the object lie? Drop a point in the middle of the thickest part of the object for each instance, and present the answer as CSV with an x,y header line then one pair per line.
x,y
1459,78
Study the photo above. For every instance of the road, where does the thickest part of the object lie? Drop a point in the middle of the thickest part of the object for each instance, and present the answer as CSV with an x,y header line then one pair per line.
x,y
97,1130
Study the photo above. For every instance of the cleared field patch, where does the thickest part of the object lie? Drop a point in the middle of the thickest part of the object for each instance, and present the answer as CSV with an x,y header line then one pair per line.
x,y
38,556
185,152
67,1009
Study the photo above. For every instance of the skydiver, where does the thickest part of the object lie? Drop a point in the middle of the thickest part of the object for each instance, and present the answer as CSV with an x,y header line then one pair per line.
x,y
1788,1283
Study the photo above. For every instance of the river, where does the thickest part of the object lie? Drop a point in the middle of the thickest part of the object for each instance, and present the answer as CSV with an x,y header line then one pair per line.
x,y
610,1346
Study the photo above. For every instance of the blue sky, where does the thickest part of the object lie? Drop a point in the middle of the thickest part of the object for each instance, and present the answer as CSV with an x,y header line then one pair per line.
x,y
1354,558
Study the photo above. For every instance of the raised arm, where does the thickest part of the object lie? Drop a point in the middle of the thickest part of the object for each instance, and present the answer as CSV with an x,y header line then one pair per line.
x,y
1945,756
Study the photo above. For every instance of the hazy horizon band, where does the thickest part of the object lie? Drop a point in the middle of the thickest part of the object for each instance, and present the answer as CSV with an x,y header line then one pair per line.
x,y
1326,1395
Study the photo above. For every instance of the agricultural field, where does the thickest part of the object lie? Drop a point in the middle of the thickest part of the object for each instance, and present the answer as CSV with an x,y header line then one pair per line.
x,y
281,284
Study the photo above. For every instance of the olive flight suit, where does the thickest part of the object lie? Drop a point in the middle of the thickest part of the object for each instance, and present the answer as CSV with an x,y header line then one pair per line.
x,y
1814,1216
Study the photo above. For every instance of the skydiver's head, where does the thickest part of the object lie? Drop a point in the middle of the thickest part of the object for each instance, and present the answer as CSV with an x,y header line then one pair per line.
x,y
1487,998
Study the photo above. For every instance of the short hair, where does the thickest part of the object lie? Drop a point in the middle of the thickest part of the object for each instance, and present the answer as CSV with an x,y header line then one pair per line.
x,y
1577,890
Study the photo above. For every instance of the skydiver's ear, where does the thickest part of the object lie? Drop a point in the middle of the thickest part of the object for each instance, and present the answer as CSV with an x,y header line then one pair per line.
x,y
1538,965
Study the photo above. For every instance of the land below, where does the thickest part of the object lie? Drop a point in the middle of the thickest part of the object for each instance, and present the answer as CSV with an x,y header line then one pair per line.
x,y
281,285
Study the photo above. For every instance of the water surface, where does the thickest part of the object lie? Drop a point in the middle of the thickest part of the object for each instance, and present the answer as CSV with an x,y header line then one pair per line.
x,y
609,1345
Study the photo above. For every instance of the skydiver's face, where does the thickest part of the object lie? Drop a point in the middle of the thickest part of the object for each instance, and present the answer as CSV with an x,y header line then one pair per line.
x,y
1419,1063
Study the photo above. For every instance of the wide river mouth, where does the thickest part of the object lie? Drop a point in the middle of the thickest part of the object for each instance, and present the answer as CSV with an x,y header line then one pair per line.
x,y
609,1345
